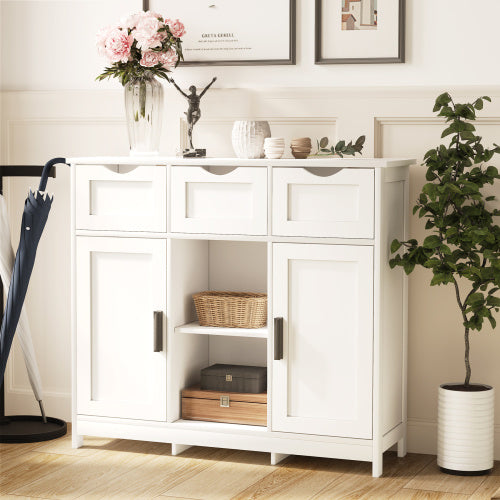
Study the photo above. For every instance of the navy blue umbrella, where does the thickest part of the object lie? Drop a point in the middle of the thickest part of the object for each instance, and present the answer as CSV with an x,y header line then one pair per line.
x,y
36,212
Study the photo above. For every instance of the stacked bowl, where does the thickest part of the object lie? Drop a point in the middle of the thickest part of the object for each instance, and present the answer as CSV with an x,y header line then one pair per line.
x,y
274,147
301,148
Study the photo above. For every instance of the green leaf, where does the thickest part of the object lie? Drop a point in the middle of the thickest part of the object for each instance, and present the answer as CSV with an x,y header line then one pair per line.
x,y
340,146
323,143
432,241
475,299
448,131
493,301
395,246
409,267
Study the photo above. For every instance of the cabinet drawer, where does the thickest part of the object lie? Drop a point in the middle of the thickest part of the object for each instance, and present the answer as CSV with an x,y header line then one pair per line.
x,y
217,202
340,205
121,198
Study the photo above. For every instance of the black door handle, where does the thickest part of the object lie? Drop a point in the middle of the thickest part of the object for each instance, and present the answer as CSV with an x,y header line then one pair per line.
x,y
158,331
278,338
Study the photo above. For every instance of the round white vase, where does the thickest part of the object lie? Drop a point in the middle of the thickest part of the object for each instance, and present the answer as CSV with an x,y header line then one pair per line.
x,y
248,138
465,430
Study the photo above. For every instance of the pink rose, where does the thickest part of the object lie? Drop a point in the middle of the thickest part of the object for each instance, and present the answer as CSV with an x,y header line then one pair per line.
x,y
130,22
176,27
168,59
100,39
149,59
146,33
115,45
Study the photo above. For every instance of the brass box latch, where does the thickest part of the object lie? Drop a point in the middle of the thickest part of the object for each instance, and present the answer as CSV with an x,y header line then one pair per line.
x,y
224,401
229,378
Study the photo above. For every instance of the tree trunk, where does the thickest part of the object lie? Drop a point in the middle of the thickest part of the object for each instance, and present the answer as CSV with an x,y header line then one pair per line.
x,y
467,361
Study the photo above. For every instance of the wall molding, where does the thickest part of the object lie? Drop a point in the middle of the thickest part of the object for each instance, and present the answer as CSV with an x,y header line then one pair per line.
x,y
381,122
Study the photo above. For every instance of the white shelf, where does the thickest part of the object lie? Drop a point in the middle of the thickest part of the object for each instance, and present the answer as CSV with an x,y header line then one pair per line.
x,y
195,328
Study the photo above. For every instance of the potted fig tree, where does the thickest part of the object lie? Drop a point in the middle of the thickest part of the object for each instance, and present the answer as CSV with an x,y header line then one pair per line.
x,y
462,249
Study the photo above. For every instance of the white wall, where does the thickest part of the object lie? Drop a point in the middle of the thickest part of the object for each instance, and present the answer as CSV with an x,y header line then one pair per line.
x,y
50,105
50,45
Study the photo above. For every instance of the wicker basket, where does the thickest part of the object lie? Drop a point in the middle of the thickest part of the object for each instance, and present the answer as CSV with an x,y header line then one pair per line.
x,y
231,309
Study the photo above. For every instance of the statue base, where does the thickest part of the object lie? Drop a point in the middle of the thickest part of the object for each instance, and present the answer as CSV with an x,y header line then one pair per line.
x,y
194,153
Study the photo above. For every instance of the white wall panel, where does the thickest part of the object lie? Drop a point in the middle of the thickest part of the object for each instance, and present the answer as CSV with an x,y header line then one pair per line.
x,y
51,44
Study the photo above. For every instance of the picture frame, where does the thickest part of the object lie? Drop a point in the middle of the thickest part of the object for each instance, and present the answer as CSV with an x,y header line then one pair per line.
x,y
359,35
220,41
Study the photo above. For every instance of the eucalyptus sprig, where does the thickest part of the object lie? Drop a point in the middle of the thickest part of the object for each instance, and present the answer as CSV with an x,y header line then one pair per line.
x,y
463,248
340,149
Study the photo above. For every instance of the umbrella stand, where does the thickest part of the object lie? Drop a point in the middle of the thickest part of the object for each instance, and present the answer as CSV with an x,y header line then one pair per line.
x,y
25,428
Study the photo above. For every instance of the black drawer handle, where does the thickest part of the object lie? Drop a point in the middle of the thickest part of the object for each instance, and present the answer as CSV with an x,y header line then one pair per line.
x,y
278,338
158,331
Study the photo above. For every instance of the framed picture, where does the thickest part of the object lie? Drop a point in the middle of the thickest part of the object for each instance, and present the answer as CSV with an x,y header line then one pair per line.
x,y
360,31
234,32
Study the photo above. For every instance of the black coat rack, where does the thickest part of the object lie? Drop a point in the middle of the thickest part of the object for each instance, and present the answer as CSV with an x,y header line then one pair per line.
x,y
24,428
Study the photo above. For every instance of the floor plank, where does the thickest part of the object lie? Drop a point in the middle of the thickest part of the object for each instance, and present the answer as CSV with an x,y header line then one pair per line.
x,y
87,473
297,477
17,497
158,475
63,446
408,494
31,467
432,479
489,488
358,483
224,480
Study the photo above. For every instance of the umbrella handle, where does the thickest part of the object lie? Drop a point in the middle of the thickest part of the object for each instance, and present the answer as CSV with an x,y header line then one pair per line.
x,y
46,171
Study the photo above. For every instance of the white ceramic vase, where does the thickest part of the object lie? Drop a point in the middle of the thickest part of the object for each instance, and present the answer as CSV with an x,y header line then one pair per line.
x,y
248,138
465,430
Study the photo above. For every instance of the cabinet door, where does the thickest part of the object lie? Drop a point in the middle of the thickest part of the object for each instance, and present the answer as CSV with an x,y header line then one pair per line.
x,y
120,284
323,384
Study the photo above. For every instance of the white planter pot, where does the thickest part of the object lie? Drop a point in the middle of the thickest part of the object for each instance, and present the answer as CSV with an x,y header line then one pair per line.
x,y
248,138
465,430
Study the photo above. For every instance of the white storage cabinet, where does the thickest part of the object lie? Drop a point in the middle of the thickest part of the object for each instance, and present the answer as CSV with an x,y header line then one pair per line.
x,y
313,234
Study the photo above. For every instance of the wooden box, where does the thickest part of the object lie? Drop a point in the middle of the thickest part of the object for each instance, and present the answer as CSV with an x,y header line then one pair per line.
x,y
227,407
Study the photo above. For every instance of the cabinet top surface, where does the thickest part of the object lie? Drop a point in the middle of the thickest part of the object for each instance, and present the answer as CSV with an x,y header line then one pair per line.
x,y
237,162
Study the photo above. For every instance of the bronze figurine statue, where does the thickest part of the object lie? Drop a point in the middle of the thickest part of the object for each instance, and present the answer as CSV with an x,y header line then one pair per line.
x,y
193,114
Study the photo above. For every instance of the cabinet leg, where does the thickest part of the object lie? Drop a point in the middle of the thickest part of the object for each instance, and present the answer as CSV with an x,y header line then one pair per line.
x,y
76,440
402,447
378,465
276,458
177,449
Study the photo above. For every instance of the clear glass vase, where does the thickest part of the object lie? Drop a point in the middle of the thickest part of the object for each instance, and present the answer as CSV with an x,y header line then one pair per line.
x,y
144,113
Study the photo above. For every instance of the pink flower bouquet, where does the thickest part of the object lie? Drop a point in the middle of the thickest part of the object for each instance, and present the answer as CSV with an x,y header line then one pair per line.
x,y
144,43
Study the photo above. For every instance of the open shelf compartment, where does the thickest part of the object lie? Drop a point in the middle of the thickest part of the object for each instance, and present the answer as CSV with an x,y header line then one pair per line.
x,y
196,266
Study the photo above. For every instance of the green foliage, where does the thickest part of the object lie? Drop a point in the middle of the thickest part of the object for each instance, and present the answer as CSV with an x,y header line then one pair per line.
x,y
464,242
341,148
131,70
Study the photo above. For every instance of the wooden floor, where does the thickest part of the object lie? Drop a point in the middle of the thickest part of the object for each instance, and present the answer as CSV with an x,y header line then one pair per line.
x,y
112,468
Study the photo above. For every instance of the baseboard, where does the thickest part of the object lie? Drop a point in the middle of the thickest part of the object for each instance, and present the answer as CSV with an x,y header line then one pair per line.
x,y
422,437
56,405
